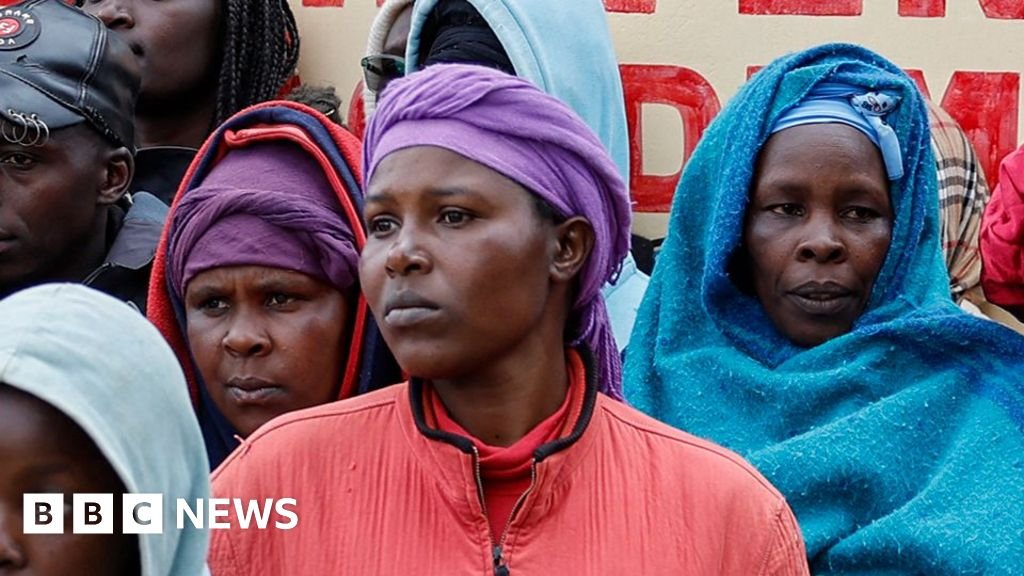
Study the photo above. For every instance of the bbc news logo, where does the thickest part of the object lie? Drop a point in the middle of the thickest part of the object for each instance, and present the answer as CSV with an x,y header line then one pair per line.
x,y
144,513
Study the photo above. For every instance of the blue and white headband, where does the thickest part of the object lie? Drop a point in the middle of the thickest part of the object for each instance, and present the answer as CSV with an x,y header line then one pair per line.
x,y
833,102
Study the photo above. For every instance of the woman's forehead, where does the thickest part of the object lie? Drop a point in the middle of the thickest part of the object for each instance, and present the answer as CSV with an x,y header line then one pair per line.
x,y
40,429
431,171
809,148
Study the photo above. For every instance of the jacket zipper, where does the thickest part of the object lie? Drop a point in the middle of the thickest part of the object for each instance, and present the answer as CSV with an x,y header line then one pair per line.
x,y
97,273
500,568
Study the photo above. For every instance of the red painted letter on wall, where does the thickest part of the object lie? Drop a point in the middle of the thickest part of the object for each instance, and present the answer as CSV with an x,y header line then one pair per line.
x,y
1003,9
338,3
686,91
917,75
923,8
995,9
630,6
985,104
802,7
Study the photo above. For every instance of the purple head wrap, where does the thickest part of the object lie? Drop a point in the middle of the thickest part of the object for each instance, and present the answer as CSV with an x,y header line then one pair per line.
x,y
514,128
268,204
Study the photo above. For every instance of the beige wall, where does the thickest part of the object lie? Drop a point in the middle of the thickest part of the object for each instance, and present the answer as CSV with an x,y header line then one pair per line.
x,y
713,39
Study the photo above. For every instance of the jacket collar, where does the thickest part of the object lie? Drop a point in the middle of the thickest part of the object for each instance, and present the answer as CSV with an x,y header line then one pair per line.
x,y
451,460
138,233
159,170
465,445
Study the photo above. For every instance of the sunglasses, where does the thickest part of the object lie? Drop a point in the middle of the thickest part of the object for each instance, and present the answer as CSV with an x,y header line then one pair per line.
x,y
380,69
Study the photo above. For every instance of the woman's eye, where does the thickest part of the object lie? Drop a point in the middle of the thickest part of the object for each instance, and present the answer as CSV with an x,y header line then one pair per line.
x,y
280,299
455,217
860,213
18,160
213,305
379,226
787,209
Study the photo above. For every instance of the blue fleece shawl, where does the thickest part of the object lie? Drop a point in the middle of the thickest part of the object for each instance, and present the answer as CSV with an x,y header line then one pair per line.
x,y
898,445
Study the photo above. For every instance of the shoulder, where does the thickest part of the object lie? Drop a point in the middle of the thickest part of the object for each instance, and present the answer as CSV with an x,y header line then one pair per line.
x,y
147,207
710,486
293,436
678,452
138,232
335,413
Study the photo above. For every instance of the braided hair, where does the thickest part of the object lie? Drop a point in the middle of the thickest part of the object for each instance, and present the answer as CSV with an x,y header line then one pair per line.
x,y
260,42
261,51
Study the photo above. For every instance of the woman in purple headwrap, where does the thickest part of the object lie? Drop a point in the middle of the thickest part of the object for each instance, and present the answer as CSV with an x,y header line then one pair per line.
x,y
255,282
494,216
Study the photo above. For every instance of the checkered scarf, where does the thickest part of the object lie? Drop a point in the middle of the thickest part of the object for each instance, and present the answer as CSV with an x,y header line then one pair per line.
x,y
963,194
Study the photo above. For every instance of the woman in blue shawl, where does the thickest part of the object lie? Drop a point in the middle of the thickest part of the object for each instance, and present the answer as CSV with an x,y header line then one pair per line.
x,y
891,420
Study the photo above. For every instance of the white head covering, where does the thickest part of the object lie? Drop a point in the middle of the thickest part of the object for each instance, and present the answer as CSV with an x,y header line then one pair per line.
x,y
106,368
382,24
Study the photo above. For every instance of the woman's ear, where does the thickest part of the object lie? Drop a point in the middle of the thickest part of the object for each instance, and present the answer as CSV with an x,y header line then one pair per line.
x,y
117,175
575,240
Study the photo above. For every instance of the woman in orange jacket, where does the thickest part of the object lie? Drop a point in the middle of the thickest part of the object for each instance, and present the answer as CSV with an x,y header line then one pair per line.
x,y
494,218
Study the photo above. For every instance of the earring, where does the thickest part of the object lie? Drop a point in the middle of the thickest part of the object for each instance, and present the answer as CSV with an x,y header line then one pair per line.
x,y
13,137
42,131
4,123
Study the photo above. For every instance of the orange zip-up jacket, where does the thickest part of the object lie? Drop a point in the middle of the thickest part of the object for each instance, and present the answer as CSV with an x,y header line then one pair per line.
x,y
380,492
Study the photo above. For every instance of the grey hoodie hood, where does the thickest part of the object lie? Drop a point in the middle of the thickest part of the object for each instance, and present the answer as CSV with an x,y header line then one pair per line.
x,y
104,366
565,48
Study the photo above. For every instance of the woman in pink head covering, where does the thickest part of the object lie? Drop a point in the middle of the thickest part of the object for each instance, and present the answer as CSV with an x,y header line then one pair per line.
x,y
494,216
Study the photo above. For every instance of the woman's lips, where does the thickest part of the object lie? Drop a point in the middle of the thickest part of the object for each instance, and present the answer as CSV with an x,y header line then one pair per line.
x,y
406,309
254,391
6,244
822,298
821,307
406,317
6,240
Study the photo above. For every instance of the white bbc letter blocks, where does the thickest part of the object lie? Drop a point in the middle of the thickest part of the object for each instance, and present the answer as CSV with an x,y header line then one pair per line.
x,y
142,514
43,514
93,514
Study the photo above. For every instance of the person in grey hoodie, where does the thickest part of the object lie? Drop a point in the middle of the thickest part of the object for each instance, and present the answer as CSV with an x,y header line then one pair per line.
x,y
92,400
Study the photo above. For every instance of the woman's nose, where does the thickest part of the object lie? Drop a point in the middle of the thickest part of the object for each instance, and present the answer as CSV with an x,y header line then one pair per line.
x,y
246,336
822,242
114,14
406,256
12,556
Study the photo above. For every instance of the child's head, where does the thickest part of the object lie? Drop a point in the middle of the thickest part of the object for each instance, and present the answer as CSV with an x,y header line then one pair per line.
x,y
43,451
93,401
